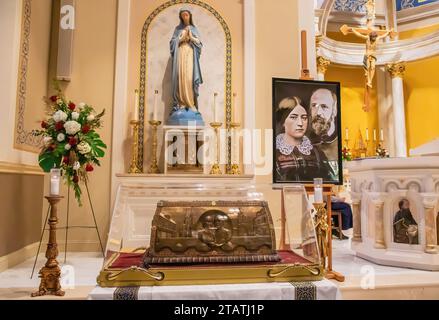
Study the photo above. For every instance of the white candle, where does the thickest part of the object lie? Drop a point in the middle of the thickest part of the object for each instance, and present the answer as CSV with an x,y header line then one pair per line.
x,y
374,134
367,134
347,134
136,105
155,115
318,195
215,111
54,181
235,110
382,135
318,190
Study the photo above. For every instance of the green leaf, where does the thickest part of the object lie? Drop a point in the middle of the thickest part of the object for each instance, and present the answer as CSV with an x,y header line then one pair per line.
x,y
48,160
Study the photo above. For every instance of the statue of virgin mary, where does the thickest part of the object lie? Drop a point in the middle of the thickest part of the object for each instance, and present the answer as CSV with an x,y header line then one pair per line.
x,y
186,72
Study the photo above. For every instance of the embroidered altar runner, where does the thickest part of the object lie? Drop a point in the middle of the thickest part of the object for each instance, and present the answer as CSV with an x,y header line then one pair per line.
x,y
320,290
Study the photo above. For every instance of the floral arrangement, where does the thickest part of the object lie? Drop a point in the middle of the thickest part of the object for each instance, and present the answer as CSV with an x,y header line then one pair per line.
x,y
346,154
381,152
70,140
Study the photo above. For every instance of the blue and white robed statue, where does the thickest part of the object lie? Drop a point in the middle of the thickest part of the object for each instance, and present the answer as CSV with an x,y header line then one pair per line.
x,y
186,72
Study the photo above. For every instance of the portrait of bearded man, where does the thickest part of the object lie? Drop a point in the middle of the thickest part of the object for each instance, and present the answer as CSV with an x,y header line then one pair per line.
x,y
323,105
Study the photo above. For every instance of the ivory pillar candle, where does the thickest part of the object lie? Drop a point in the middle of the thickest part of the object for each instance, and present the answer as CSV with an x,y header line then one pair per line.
x,y
55,176
155,113
235,110
136,105
215,109
347,134
318,190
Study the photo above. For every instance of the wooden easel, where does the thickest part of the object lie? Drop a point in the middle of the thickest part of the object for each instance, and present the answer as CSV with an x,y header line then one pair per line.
x,y
327,191
304,74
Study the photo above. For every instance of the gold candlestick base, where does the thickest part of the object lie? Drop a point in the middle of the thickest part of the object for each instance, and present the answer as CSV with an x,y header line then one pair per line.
x,y
153,168
50,274
134,167
322,229
216,170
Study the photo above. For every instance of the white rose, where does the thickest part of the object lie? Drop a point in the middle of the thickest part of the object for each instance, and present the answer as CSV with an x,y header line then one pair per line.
x,y
76,165
60,116
47,141
72,127
84,147
61,137
68,147
81,105
75,115
90,118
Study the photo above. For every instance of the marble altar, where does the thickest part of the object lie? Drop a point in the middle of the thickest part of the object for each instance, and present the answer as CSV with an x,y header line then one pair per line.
x,y
377,187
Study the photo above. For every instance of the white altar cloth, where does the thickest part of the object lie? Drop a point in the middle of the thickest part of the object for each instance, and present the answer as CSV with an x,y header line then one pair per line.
x,y
323,290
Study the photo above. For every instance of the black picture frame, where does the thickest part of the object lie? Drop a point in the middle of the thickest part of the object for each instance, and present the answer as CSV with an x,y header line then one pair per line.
x,y
329,168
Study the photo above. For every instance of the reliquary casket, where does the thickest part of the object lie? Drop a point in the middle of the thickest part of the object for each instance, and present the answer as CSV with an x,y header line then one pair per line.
x,y
211,232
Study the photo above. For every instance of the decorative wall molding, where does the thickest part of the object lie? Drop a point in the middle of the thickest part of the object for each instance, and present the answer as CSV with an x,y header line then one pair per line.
x,y
24,139
352,54
6,167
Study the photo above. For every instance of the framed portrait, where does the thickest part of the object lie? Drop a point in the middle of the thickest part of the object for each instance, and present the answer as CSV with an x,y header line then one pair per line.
x,y
307,141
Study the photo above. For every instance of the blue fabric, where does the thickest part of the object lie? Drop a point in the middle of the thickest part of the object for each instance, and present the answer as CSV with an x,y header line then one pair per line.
x,y
346,214
197,79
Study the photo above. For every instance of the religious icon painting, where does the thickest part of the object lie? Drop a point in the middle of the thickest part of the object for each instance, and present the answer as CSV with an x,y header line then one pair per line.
x,y
307,132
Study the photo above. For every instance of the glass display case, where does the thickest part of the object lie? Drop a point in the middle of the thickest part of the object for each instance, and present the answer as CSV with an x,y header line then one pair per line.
x,y
161,235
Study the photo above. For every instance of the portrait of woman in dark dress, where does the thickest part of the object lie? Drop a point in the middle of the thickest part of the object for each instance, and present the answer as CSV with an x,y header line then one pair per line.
x,y
297,160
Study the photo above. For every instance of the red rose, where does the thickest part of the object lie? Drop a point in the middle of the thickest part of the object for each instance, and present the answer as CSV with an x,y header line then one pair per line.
x,y
86,129
72,106
44,124
75,179
66,160
59,126
73,141
51,147
53,98
89,167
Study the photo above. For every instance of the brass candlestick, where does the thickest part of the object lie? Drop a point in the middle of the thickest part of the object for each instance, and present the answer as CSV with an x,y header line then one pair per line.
x,y
235,153
153,168
346,143
216,170
134,168
50,274
322,230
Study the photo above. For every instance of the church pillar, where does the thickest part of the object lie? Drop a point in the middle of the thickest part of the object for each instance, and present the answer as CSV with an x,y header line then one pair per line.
x,y
322,67
396,71
430,224
379,224
356,210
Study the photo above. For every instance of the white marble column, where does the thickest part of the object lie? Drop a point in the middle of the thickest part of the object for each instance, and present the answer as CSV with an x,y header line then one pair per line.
x,y
396,71
356,213
379,224
429,203
322,67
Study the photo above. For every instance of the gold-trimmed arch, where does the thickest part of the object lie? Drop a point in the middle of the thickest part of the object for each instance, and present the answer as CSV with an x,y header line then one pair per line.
x,y
143,72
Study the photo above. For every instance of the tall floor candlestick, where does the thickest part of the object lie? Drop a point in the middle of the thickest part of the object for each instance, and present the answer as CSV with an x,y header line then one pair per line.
x,y
50,274
134,168
216,170
153,168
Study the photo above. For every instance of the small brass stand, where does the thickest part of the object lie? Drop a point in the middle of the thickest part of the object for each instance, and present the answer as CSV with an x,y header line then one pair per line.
x,y
134,168
216,170
322,227
235,153
50,274
154,169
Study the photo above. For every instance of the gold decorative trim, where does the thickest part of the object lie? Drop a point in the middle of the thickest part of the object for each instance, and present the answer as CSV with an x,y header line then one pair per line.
x,y
396,70
322,64
24,140
143,73
6,167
